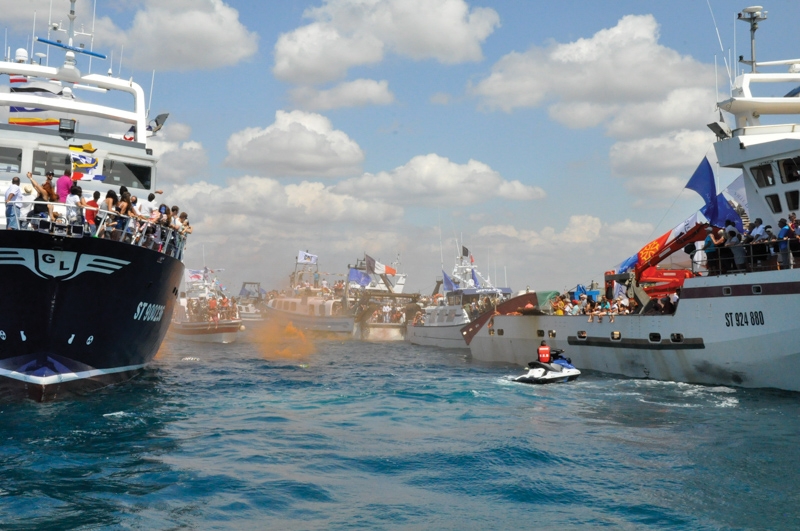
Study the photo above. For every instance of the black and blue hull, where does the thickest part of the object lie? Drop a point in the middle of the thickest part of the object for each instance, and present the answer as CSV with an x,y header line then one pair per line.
x,y
80,313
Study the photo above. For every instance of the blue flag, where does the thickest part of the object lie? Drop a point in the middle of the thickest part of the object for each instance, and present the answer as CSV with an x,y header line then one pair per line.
x,y
722,213
448,283
475,279
702,182
359,277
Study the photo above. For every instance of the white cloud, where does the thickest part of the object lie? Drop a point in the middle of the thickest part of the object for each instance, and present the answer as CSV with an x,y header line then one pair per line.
x,y
348,33
653,101
430,179
181,35
297,144
356,93
181,160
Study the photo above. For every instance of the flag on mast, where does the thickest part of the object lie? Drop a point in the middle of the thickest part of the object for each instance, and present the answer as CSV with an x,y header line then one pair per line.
x,y
377,268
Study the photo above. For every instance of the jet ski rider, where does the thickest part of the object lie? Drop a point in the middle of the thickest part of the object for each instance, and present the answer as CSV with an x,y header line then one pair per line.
x,y
544,353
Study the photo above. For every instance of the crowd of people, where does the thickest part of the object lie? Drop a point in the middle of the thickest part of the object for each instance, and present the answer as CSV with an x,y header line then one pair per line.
x,y
213,308
610,307
119,216
759,247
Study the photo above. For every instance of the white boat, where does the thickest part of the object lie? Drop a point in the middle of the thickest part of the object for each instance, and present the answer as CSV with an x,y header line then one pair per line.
x,y
439,324
199,319
251,302
309,305
736,328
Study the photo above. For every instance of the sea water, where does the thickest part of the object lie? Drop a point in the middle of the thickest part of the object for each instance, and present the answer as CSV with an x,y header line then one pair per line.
x,y
292,433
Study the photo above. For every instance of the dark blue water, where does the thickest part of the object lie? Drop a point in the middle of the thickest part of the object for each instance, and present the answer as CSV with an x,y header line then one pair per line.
x,y
388,436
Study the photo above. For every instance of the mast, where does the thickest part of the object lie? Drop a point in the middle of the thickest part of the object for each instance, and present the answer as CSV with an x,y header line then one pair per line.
x,y
753,15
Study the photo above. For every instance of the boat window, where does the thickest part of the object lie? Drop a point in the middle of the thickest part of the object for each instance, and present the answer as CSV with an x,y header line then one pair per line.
x,y
582,334
551,334
790,170
10,159
727,291
310,310
676,338
792,199
616,336
321,309
774,203
540,333
499,331
655,337
763,175
756,290
293,307
45,161
118,173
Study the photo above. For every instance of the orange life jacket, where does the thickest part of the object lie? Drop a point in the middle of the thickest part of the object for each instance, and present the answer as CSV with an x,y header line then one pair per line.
x,y
544,354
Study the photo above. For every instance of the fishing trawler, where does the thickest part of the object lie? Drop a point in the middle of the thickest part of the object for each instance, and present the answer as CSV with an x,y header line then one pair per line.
x,y
79,312
308,304
735,326
205,314
251,301
382,310
466,295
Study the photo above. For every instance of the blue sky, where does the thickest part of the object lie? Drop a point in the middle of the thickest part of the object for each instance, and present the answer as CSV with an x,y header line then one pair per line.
x,y
555,137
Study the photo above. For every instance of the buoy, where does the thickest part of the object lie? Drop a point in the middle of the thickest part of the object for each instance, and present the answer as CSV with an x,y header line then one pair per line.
x,y
241,327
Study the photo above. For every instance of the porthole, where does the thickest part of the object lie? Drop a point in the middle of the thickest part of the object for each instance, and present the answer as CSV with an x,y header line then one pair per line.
x,y
616,336
551,334
676,338
655,337
540,333
756,290
499,331
582,334
727,291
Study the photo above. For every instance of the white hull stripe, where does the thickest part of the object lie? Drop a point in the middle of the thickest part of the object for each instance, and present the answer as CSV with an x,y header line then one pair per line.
x,y
66,377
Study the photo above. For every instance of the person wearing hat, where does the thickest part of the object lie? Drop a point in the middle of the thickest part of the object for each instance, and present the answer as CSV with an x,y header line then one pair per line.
x,y
49,188
26,205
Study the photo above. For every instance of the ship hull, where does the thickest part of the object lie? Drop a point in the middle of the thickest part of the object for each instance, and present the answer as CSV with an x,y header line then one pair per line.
x,y
207,332
80,313
448,336
330,324
736,330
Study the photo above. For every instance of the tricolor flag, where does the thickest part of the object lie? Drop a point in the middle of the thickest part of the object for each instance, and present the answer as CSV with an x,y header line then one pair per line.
x,y
305,258
377,268
193,275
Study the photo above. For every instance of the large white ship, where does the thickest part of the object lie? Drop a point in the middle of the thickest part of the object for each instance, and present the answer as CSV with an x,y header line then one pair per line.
x,y
734,328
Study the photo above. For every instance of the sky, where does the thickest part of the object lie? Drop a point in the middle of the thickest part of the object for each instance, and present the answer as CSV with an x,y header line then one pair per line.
x,y
553,140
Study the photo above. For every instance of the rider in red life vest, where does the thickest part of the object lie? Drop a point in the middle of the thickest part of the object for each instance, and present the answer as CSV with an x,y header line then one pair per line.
x,y
544,353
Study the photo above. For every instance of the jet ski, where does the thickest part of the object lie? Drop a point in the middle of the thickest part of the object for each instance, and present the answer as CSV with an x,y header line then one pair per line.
x,y
559,370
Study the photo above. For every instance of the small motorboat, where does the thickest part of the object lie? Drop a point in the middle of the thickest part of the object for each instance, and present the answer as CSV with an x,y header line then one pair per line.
x,y
559,370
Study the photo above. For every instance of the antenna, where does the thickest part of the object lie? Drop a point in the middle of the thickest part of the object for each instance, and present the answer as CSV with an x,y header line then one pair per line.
x,y
752,15
91,42
33,34
150,100
722,49
121,51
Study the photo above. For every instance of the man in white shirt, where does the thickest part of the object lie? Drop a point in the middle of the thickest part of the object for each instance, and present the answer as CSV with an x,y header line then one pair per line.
x,y
146,207
13,197
758,232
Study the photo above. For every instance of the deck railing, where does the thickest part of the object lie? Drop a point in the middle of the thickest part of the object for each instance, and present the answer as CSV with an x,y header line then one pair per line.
x,y
70,222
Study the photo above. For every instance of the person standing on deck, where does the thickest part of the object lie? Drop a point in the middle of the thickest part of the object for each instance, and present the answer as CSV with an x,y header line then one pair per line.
x,y
63,186
13,195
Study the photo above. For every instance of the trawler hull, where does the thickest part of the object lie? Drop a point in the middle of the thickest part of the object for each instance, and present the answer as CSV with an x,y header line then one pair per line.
x,y
80,313
225,331
311,323
735,330
446,336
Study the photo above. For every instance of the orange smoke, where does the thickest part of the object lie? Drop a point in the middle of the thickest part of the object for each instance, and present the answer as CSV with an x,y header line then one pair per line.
x,y
276,341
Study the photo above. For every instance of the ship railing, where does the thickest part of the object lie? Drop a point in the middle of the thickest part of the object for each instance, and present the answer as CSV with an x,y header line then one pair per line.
x,y
70,222
762,255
